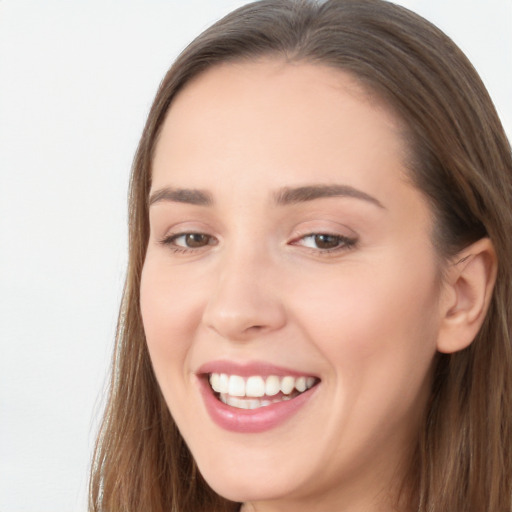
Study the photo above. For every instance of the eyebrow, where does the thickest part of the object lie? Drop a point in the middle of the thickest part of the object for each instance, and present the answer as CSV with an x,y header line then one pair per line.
x,y
284,196
181,195
296,195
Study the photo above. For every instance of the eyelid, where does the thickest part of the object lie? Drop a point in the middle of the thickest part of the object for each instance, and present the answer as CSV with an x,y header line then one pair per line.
x,y
343,238
347,237
167,228
345,243
169,241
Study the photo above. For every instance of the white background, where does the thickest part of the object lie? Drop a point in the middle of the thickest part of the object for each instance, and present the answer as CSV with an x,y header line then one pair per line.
x,y
76,82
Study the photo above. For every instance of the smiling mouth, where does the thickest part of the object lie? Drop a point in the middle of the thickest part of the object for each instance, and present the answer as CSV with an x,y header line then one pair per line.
x,y
258,391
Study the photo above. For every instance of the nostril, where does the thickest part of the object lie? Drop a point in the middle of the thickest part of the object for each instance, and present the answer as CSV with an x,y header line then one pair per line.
x,y
235,312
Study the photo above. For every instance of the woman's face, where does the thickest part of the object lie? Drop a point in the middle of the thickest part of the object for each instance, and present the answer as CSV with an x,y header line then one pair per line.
x,y
290,263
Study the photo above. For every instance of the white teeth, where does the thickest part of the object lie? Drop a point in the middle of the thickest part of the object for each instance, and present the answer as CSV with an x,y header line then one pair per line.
x,y
287,385
214,382
272,386
252,404
257,386
223,383
236,386
240,403
300,384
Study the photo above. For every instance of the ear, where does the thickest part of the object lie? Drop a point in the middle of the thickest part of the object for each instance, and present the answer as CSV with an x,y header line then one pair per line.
x,y
468,287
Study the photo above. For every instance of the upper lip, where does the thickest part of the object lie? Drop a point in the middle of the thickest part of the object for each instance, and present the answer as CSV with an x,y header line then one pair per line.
x,y
247,369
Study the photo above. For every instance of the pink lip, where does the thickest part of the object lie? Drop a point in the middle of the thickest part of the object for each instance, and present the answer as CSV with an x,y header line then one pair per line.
x,y
248,369
249,420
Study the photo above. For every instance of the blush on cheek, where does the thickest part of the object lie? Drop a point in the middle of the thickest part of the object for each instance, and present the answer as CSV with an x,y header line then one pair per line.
x,y
161,332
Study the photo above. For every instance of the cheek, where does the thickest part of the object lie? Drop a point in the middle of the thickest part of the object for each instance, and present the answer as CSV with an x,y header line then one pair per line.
x,y
373,321
378,334
170,311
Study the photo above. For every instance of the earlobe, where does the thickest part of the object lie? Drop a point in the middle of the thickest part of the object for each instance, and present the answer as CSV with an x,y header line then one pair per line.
x,y
468,290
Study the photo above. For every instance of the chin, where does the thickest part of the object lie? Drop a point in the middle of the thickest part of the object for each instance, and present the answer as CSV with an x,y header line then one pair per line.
x,y
244,486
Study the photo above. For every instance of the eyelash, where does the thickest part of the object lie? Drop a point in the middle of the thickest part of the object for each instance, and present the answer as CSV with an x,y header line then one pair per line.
x,y
170,241
343,243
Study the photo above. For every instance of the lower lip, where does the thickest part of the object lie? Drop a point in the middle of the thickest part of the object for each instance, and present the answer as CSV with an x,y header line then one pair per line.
x,y
251,420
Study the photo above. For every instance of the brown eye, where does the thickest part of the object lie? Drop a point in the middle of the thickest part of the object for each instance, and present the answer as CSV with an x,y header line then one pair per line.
x,y
195,240
323,241
188,241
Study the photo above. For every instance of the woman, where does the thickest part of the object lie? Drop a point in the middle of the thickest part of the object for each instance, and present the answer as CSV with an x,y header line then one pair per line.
x,y
317,309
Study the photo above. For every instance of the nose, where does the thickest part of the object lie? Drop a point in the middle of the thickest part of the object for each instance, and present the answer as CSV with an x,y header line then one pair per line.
x,y
245,302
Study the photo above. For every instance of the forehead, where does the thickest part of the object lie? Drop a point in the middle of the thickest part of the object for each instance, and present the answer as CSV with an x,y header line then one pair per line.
x,y
286,118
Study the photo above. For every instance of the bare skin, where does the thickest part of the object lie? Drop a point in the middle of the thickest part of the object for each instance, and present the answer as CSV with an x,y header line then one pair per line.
x,y
343,285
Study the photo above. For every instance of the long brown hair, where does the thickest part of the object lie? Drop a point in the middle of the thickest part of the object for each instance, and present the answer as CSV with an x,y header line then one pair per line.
x,y
460,159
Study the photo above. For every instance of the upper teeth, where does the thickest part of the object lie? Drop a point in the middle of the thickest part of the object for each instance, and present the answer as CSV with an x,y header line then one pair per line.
x,y
257,386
